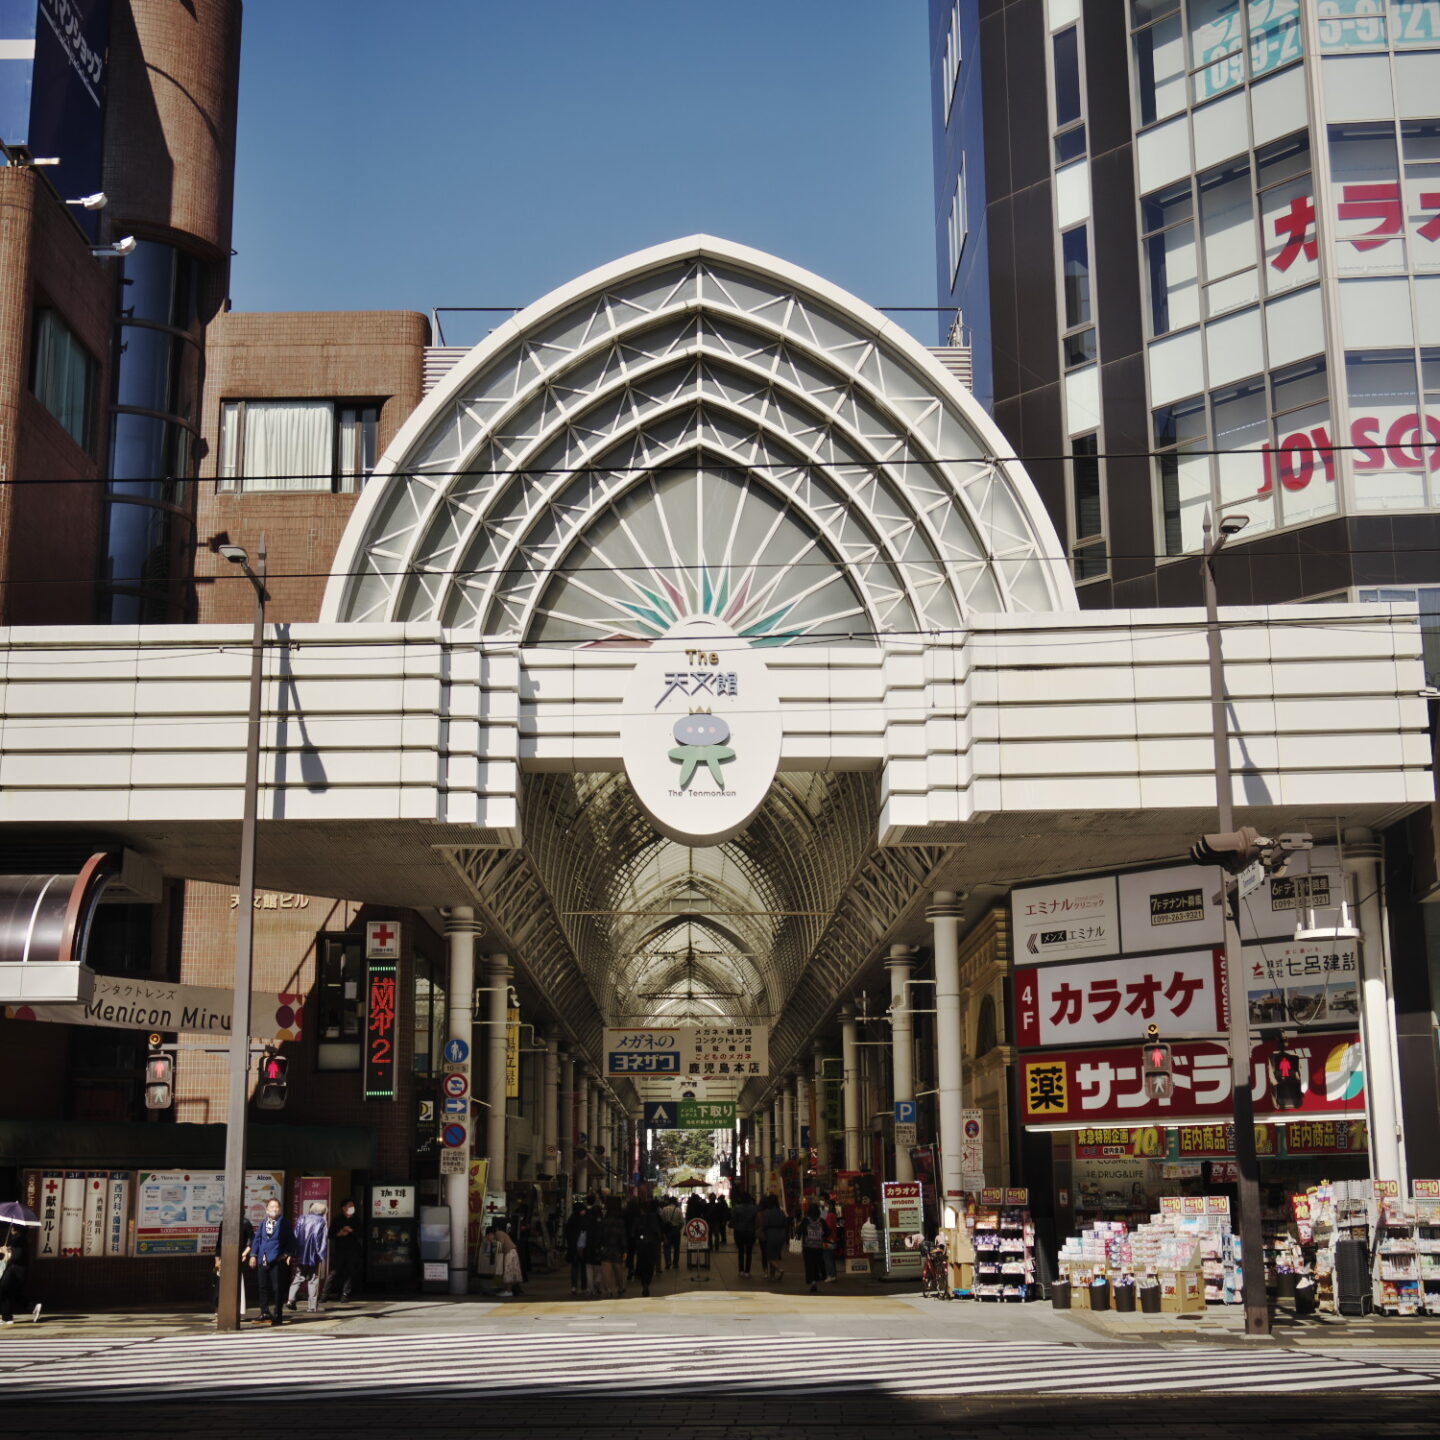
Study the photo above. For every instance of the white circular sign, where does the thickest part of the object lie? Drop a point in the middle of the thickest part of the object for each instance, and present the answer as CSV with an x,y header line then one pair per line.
x,y
701,732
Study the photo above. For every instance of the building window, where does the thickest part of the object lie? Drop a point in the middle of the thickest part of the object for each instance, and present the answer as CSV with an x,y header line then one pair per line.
x,y
269,445
63,376
950,75
1159,59
1069,110
1087,509
1171,258
1183,472
430,1018
1427,597
1079,340
958,228
340,1002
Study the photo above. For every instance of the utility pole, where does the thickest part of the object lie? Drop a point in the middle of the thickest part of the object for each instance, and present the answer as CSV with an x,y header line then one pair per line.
x,y
236,1115
1257,1308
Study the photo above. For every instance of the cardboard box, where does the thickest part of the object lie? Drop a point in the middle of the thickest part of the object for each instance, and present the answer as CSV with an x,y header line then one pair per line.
x,y
1181,1291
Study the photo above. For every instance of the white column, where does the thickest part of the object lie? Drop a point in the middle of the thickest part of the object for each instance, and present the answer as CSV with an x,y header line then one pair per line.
x,y
550,1165
565,1160
902,1042
1362,852
944,915
461,930
819,1135
497,979
850,1093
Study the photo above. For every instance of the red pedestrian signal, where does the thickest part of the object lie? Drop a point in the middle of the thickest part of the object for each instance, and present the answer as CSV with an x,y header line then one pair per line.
x,y
1159,1067
1287,1080
159,1080
273,1084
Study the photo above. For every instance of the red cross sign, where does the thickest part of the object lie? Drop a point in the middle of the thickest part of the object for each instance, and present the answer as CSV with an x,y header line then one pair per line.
x,y
382,940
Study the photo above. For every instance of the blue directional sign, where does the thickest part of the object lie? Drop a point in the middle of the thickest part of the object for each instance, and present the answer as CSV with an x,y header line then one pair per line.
x,y
457,1052
456,1105
662,1114
904,1112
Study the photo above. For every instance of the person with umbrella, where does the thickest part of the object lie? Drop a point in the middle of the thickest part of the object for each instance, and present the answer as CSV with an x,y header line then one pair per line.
x,y
15,1254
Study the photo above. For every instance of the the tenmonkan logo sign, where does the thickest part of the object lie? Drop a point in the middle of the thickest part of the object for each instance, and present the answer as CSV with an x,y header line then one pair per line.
x,y
700,732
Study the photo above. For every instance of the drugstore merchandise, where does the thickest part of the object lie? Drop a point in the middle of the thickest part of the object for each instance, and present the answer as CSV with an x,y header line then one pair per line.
x,y
1406,1257
1003,1235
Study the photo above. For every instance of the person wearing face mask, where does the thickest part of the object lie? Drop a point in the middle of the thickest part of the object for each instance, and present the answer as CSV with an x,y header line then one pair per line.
x,y
346,1254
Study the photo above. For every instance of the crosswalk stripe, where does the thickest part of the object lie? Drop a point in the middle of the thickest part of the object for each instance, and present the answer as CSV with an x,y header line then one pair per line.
x,y
321,1366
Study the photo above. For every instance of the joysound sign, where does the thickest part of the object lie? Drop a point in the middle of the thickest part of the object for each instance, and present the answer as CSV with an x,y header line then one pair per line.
x,y
700,732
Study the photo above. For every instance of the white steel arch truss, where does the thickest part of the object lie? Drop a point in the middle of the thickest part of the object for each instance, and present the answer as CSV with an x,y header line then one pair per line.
x,y
704,359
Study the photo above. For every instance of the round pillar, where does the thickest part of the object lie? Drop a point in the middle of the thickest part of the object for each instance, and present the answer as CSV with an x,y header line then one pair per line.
x,y
944,915
901,965
461,931
850,1089
498,975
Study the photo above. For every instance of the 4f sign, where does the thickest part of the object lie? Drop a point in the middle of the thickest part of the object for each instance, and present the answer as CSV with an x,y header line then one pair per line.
x,y
701,732
382,940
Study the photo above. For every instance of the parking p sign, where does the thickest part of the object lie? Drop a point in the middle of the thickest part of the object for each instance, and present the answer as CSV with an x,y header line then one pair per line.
x,y
904,1112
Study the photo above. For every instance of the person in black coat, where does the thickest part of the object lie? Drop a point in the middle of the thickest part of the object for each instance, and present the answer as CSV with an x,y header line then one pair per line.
x,y
646,1234
16,1254
347,1254
575,1245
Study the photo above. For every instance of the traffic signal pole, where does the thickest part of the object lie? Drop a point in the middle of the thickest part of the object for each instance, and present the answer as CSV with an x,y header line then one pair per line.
x,y
1252,1252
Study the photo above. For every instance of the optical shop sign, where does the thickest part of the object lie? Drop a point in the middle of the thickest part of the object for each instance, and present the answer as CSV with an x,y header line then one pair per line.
x,y
700,732
1064,1088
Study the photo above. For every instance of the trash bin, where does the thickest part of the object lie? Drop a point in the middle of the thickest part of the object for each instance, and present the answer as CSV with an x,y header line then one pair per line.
x,y
1304,1297
1285,1284
1060,1294
1124,1297
1150,1299
1100,1295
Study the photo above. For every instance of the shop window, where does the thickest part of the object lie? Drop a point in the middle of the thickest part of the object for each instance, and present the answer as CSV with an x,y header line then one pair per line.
x,y
1087,510
339,1002
1301,468
1287,214
1079,340
1274,27
1420,150
1183,472
1069,110
62,377
1414,22
1240,423
1217,47
307,445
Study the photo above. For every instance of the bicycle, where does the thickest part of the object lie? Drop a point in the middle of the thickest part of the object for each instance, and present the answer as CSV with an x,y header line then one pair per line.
x,y
935,1270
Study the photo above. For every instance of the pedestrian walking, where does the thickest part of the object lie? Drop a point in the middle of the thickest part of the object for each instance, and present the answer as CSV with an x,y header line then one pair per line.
x,y
645,1243
574,1236
774,1232
347,1253
742,1225
14,1273
594,1270
270,1254
247,1237
612,1249
719,1218
813,1239
672,1218
835,1234
312,1245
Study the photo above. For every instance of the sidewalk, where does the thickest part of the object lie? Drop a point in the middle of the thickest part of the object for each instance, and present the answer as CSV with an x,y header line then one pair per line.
x,y
720,1302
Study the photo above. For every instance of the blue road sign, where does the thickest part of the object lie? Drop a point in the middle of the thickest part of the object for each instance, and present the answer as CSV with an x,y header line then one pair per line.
x,y
456,1105
457,1052
661,1114
904,1112
453,1135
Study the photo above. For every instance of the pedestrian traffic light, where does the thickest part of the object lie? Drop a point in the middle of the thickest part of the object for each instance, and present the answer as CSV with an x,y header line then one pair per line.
x,y
273,1086
159,1077
1286,1082
1233,850
1159,1066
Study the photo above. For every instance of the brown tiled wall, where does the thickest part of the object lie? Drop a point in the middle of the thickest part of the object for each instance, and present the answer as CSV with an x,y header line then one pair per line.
x,y
172,90
49,530
374,355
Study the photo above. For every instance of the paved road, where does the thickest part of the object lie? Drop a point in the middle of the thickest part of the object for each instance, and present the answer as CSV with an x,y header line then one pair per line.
x,y
597,1369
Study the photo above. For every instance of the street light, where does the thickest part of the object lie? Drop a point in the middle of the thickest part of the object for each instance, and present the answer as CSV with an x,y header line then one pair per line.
x,y
98,201
1252,1253
228,1313
123,246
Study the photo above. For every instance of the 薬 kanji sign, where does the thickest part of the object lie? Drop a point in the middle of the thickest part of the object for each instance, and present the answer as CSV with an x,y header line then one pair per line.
x,y
1109,1000
1085,1087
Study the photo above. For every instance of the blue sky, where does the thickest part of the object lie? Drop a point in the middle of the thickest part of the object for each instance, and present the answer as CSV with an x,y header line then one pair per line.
x,y
480,152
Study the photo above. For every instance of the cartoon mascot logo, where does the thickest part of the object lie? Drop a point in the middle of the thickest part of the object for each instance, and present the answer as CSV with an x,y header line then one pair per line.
x,y
701,739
